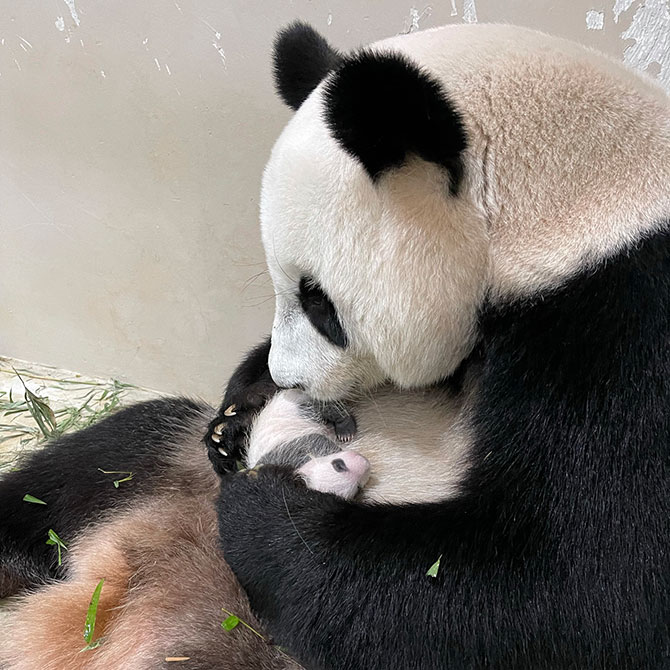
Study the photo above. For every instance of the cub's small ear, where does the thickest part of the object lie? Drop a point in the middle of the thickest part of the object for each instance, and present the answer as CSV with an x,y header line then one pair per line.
x,y
302,58
382,107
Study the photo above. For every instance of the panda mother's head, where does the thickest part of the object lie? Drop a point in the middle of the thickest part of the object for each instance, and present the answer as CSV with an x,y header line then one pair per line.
x,y
418,178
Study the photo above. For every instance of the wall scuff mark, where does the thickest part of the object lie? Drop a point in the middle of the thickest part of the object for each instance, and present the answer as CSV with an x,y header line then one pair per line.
x,y
469,11
73,11
621,6
415,17
595,20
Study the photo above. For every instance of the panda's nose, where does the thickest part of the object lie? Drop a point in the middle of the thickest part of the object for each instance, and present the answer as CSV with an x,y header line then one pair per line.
x,y
351,461
339,465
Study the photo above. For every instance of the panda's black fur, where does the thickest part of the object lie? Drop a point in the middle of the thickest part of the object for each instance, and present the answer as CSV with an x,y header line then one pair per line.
x,y
249,388
555,553
554,557
369,82
67,475
302,59
321,312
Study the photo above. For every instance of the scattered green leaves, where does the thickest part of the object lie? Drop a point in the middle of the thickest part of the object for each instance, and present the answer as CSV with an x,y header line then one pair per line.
x,y
39,410
30,419
116,482
231,622
93,645
33,499
55,540
433,569
91,615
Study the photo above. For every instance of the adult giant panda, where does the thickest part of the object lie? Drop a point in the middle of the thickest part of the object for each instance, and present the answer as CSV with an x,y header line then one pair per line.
x,y
482,202
489,198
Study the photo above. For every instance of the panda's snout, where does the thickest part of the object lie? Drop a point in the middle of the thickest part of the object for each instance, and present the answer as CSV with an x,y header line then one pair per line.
x,y
352,462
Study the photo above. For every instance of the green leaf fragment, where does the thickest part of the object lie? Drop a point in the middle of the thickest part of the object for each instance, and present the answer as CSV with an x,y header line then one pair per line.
x,y
433,569
33,499
91,614
231,622
55,540
116,482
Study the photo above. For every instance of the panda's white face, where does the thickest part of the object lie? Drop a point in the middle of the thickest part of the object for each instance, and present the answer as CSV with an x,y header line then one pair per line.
x,y
402,262
556,173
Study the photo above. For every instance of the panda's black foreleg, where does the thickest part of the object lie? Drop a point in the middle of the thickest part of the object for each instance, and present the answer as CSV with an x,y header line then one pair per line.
x,y
248,390
317,573
75,477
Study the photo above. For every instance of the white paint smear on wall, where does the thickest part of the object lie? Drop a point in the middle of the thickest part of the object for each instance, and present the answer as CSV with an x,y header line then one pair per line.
x,y
469,11
621,6
73,11
650,30
415,18
595,20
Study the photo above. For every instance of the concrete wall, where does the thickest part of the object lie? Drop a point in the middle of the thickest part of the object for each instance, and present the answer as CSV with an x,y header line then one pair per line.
x,y
133,134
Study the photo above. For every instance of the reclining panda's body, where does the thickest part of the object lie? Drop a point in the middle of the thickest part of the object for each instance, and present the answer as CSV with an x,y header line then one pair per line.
x,y
157,545
487,199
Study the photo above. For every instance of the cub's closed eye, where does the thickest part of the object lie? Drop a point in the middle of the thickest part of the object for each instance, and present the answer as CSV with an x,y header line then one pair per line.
x,y
321,312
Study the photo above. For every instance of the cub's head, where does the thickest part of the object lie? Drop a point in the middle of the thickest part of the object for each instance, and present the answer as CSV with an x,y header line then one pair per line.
x,y
429,173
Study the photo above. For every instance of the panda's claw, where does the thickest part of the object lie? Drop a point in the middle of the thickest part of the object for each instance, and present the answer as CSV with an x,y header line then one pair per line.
x,y
229,429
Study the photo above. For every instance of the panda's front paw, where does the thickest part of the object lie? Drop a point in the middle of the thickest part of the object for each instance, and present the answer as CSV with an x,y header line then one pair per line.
x,y
224,445
227,433
345,428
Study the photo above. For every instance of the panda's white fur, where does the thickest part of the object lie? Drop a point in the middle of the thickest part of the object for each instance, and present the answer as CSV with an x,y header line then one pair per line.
x,y
416,441
406,265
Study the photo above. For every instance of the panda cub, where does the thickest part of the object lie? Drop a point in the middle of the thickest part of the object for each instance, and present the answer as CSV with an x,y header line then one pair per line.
x,y
294,431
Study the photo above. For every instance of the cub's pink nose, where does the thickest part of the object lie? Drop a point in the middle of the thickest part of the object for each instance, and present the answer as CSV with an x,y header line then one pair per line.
x,y
343,473
350,461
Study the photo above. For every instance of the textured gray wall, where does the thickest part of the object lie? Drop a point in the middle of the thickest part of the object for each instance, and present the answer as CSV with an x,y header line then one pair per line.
x,y
133,135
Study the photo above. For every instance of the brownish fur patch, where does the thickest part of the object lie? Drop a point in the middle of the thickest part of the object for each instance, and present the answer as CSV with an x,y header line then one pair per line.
x,y
165,586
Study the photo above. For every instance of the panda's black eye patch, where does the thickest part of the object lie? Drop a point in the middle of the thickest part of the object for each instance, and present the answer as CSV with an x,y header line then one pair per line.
x,y
321,312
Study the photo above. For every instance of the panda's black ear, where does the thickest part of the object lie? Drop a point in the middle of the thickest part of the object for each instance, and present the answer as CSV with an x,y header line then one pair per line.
x,y
382,107
302,58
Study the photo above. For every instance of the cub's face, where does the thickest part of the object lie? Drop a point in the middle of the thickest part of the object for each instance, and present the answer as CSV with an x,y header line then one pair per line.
x,y
374,280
